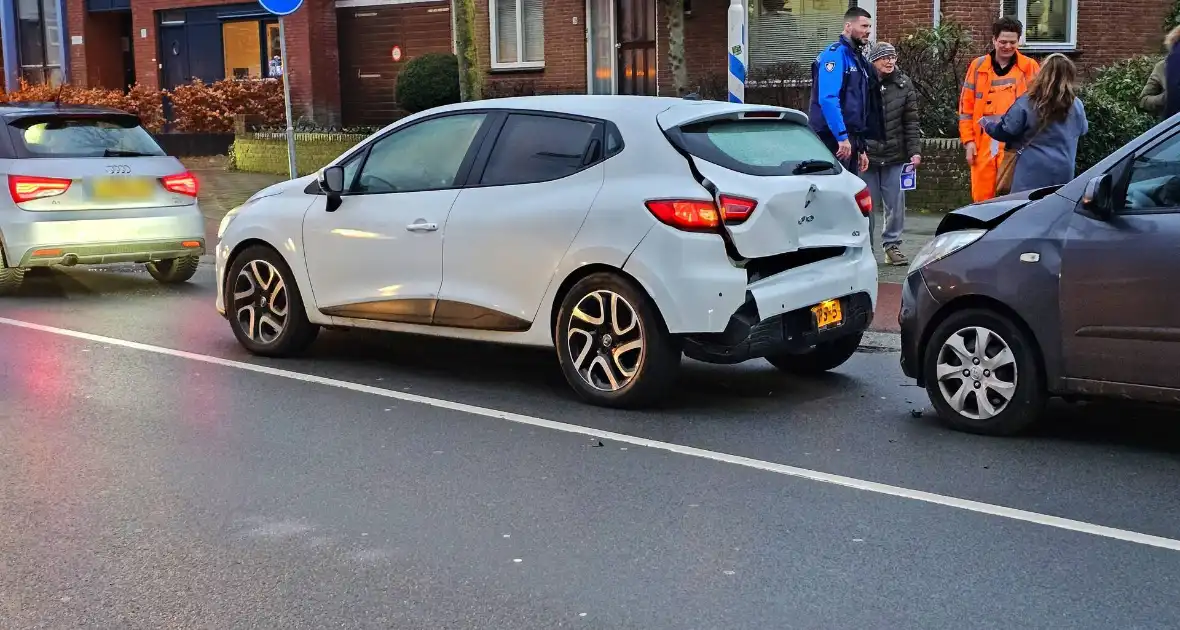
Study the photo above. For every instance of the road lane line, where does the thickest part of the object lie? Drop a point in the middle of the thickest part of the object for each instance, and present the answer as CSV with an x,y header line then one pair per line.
x,y
782,469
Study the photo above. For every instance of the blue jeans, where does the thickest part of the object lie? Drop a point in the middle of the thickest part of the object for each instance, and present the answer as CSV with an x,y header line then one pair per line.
x,y
885,185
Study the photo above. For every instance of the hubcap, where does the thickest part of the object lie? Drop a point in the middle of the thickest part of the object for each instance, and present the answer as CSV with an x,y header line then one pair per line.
x,y
260,301
976,373
605,340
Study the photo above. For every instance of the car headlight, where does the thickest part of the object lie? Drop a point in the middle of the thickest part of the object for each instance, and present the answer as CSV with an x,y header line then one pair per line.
x,y
225,221
944,245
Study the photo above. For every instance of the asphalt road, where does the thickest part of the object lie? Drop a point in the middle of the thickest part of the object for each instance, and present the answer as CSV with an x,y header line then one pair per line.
x,y
154,475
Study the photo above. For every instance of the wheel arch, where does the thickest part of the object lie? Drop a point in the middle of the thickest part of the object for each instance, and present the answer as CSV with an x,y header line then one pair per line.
x,y
302,282
585,271
980,302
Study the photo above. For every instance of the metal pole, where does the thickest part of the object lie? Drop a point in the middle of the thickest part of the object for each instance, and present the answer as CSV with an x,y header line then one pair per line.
x,y
286,75
737,57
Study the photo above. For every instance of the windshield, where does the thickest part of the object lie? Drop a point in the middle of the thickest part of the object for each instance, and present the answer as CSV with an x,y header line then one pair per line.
x,y
758,147
62,136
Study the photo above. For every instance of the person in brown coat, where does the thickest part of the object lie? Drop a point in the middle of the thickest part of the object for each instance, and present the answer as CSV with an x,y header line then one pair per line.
x,y
1154,97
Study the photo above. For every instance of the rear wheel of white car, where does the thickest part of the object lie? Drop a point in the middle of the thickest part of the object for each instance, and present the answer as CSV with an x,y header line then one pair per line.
x,y
174,270
982,374
825,356
612,343
264,305
11,278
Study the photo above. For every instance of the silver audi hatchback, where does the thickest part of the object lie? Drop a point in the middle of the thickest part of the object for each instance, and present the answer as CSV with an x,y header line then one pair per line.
x,y
91,186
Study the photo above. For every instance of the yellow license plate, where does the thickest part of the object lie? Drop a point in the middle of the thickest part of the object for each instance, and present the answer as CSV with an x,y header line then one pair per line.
x,y
122,189
828,314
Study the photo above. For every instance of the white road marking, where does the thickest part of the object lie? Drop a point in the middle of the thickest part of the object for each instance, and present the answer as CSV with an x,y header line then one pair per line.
x,y
736,460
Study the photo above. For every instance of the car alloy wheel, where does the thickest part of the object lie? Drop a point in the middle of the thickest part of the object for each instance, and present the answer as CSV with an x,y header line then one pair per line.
x,y
977,373
260,302
983,373
605,340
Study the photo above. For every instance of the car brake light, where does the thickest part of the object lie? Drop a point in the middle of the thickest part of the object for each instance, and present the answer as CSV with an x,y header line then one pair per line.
x,y
181,184
691,215
864,199
25,188
736,210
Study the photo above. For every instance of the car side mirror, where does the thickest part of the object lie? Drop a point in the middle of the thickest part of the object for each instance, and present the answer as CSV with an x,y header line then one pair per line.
x,y
1097,198
332,183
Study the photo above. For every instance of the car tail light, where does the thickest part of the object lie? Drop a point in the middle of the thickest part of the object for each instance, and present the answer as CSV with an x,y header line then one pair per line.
x,y
692,215
864,199
25,188
735,210
181,184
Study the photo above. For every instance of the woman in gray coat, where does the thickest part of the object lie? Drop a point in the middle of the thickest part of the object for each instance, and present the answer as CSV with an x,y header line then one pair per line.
x,y
1044,127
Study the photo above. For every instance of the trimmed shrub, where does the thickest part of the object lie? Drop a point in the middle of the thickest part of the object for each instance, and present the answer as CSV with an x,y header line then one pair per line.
x,y
1111,97
431,80
144,102
210,107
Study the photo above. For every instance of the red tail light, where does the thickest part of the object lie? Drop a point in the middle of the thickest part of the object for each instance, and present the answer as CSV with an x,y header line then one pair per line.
x,y
25,188
181,184
864,199
692,215
735,210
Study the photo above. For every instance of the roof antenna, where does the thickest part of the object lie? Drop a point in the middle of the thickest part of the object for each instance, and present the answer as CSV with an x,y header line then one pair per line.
x,y
57,99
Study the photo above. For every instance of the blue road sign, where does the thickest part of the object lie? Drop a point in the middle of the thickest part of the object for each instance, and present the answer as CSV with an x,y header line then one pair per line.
x,y
281,7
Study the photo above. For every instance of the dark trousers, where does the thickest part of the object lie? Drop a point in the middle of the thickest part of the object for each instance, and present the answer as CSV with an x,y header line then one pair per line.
x,y
858,147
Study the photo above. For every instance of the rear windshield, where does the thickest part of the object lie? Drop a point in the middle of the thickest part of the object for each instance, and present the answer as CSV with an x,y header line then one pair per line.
x,y
63,136
756,147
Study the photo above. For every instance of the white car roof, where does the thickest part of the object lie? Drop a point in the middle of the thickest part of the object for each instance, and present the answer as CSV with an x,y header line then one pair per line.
x,y
621,109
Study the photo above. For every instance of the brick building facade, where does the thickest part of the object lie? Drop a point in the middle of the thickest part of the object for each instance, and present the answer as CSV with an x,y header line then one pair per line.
x,y
345,54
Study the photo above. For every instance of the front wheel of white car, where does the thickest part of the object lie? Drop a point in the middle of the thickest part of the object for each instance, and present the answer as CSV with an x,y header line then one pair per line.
x,y
613,346
264,305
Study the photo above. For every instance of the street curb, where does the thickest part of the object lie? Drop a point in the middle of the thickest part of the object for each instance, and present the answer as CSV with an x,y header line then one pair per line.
x,y
880,342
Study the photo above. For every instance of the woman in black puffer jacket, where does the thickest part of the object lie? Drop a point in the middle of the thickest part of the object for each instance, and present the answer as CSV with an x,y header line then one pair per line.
x,y
902,145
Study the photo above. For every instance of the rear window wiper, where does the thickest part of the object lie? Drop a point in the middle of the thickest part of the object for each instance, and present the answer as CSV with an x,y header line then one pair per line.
x,y
116,153
812,166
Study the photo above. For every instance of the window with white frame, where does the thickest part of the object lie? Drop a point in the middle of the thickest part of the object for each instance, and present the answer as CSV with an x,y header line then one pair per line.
x,y
518,33
795,31
1048,24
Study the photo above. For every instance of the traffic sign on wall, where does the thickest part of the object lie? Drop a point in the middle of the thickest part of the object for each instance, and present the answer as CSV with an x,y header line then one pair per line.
x,y
281,7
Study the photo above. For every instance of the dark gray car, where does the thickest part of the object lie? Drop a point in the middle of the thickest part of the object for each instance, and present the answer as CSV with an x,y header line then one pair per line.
x,y
1067,291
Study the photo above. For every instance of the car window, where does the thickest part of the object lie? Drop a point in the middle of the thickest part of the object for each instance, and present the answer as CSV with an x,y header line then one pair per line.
x,y
63,136
755,147
1154,180
423,156
533,148
351,168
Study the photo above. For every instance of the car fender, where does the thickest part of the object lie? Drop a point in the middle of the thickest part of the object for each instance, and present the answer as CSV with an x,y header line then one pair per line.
x,y
282,229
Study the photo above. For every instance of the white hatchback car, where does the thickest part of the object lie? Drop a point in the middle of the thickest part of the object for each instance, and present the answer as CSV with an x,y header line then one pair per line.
x,y
626,231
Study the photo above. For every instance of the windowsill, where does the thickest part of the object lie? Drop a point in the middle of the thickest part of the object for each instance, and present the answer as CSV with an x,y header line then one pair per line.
x,y
1049,48
518,67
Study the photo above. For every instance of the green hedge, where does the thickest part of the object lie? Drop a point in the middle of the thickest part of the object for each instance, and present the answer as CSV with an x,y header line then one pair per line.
x,y
267,153
1111,98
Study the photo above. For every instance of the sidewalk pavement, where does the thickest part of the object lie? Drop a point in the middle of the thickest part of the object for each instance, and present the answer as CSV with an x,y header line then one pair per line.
x,y
221,190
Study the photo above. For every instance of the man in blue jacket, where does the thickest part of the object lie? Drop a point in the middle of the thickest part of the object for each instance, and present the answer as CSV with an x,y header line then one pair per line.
x,y
845,94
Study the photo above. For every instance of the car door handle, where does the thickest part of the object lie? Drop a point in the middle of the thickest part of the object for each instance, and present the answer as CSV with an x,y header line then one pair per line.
x,y
422,226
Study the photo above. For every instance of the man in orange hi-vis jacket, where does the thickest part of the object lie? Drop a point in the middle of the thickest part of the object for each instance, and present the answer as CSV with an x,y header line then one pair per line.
x,y
994,81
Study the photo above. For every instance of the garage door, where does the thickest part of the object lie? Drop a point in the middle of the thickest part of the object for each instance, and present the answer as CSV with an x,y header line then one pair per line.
x,y
368,36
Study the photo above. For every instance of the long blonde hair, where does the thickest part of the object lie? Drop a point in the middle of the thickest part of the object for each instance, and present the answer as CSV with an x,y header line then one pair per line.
x,y
1054,89
1171,38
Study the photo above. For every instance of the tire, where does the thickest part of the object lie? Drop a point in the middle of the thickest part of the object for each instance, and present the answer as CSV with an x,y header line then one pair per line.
x,y
174,270
597,350
11,278
825,356
276,323
1016,374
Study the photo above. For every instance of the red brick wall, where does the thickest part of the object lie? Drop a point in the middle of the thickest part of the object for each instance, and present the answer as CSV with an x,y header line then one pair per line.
x,y
311,45
896,18
706,32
